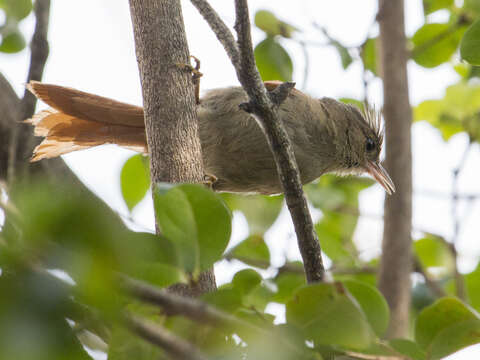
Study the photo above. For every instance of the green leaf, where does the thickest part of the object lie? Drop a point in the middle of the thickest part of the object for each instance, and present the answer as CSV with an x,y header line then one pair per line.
x,y
435,43
470,45
17,9
252,251
454,338
124,346
357,103
13,42
472,284
332,192
456,112
408,348
369,55
258,298
273,61
226,299
430,6
472,7
246,280
135,180
462,69
328,316
268,22
149,257
260,211
197,221
33,308
442,315
345,56
338,199
159,274
336,231
83,237
434,252
287,282
372,303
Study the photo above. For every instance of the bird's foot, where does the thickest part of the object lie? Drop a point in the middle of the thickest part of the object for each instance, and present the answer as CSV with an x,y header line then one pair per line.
x,y
196,75
209,180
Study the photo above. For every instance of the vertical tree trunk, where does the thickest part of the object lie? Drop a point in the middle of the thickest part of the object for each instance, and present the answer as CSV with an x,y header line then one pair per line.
x,y
168,97
396,262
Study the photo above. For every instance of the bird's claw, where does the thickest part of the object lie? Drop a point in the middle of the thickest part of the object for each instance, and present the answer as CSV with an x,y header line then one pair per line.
x,y
209,180
196,75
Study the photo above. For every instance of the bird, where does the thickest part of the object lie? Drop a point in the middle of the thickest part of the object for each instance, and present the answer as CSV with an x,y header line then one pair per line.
x,y
327,136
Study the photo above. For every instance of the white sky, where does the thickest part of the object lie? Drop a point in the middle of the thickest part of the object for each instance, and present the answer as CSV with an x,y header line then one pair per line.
x,y
92,49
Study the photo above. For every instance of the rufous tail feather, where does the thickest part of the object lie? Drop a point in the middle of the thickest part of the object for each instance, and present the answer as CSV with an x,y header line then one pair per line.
x,y
79,120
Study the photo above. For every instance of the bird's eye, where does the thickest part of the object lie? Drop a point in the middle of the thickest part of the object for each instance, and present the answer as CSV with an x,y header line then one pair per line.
x,y
370,145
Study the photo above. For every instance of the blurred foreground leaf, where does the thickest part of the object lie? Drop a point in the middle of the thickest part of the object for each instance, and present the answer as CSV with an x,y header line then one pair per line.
x,y
430,6
434,252
470,45
16,9
196,220
135,179
372,303
446,327
260,211
327,315
252,251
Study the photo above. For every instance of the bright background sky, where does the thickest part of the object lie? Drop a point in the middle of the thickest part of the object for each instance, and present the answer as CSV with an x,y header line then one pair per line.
x,y
92,50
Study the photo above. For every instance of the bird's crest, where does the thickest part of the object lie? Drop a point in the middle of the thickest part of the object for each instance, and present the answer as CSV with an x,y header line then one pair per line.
x,y
373,117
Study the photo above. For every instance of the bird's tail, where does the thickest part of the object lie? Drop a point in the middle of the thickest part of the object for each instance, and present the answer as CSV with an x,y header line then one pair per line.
x,y
78,120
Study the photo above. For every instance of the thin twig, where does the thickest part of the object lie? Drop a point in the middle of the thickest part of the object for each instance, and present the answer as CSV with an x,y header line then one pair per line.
x,y
223,33
191,308
263,110
197,310
39,54
307,64
176,347
38,58
431,284
459,281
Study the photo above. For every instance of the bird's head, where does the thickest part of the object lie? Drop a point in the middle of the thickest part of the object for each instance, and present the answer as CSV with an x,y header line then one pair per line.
x,y
362,145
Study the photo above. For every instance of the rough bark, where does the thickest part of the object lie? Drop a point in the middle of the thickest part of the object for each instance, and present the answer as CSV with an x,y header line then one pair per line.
x,y
396,262
264,106
168,97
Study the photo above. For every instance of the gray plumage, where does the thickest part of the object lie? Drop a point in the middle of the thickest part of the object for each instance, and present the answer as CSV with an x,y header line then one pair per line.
x,y
327,136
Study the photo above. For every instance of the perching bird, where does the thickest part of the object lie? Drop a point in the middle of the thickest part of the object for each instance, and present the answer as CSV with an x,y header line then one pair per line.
x,y
327,136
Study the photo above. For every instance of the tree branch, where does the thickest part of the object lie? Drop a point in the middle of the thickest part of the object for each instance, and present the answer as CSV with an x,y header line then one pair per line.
x,y
169,100
199,311
221,30
265,112
459,282
431,284
264,109
9,108
39,54
396,261
176,347
191,308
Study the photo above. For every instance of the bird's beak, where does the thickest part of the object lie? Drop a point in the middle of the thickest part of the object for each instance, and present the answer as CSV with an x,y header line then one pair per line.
x,y
380,174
